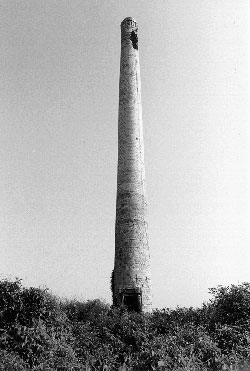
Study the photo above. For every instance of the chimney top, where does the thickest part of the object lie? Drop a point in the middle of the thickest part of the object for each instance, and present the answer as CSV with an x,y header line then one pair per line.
x,y
129,22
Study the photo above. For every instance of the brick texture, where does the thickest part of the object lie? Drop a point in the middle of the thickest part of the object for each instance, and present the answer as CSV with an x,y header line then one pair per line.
x,y
132,268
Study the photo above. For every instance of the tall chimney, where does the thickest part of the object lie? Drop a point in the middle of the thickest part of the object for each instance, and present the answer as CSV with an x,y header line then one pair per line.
x,y
131,276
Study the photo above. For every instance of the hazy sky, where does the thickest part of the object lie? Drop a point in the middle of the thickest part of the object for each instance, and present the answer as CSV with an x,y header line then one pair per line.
x,y
59,76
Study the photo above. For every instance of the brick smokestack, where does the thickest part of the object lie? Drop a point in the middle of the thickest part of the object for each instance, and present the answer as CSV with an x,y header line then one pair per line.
x,y
131,276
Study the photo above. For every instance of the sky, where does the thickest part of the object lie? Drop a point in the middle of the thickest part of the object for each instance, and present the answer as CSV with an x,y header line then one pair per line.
x,y
59,78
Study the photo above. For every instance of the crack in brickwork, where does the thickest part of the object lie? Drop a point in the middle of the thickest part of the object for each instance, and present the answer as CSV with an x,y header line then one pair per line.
x,y
132,270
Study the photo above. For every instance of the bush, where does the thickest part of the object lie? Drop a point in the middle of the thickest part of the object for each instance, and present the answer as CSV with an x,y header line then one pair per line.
x,y
33,328
78,311
230,305
40,332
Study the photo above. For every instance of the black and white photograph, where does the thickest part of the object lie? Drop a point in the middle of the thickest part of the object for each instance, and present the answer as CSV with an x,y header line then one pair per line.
x,y
124,185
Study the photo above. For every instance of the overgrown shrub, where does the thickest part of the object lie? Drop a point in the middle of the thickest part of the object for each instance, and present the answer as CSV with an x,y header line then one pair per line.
x,y
33,328
40,332
230,304
90,310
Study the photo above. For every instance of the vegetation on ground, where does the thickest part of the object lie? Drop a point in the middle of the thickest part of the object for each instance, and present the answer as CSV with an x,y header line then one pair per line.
x,y
38,331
